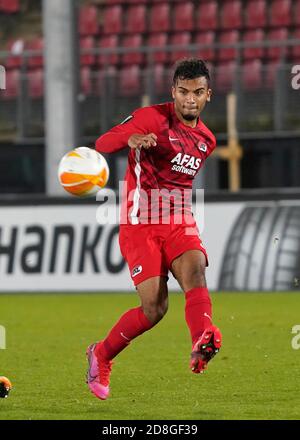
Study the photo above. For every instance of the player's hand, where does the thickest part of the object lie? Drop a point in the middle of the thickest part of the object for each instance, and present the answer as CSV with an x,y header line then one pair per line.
x,y
142,140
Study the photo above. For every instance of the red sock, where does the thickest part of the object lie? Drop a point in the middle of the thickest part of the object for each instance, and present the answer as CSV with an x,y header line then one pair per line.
x,y
132,324
197,311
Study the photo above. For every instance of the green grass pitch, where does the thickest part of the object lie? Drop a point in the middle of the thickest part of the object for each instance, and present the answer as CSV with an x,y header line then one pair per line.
x,y
255,375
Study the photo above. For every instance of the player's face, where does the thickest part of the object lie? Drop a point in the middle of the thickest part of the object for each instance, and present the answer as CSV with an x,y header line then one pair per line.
x,y
190,97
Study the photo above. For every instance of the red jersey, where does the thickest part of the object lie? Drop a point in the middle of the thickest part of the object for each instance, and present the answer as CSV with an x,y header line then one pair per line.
x,y
163,172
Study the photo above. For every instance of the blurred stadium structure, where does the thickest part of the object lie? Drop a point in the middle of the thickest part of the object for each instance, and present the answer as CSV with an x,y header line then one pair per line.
x,y
128,49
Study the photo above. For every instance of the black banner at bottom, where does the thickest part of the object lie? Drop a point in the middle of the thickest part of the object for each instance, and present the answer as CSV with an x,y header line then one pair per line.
x,y
143,429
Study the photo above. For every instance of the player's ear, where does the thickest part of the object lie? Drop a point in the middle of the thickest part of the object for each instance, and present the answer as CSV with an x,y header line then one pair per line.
x,y
209,93
173,92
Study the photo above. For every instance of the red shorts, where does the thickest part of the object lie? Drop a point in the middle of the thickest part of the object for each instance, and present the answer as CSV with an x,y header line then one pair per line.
x,y
150,249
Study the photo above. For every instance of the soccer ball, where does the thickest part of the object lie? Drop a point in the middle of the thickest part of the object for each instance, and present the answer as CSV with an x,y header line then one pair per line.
x,y
5,386
83,172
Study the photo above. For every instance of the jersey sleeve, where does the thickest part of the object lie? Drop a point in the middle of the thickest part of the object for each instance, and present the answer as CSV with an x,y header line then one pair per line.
x,y
142,121
212,145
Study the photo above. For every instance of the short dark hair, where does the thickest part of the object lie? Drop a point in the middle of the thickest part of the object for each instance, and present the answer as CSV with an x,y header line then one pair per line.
x,y
190,68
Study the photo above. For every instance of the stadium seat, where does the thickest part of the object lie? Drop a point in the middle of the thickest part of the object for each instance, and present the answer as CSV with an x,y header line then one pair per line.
x,y
136,19
105,79
183,17
86,80
15,48
134,42
159,19
13,78
231,15
295,50
158,40
112,2
36,44
118,2
112,20
88,20
87,59
183,39
136,1
207,17
35,83
277,35
108,42
10,6
255,14
255,36
228,37
159,74
252,75
121,2
296,13
130,81
280,13
225,75
271,74
208,37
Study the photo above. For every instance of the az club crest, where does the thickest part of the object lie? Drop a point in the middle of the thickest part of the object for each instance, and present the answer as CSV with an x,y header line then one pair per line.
x,y
202,147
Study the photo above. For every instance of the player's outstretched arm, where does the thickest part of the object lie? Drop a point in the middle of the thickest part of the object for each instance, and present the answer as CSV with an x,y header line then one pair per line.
x,y
135,131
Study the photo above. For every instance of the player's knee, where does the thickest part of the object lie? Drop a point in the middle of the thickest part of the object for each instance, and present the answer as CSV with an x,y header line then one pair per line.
x,y
199,277
164,305
155,311
195,277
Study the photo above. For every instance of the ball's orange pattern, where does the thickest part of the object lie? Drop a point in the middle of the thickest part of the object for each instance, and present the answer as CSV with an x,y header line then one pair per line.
x,y
73,175
80,189
6,382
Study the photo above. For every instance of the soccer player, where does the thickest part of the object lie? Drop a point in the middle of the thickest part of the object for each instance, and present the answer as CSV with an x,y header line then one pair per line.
x,y
168,143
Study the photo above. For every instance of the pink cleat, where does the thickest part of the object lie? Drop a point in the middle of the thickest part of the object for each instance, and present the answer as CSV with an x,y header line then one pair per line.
x,y
98,373
207,346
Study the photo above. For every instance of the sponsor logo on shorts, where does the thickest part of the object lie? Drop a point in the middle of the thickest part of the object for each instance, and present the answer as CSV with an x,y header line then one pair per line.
x,y
136,270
